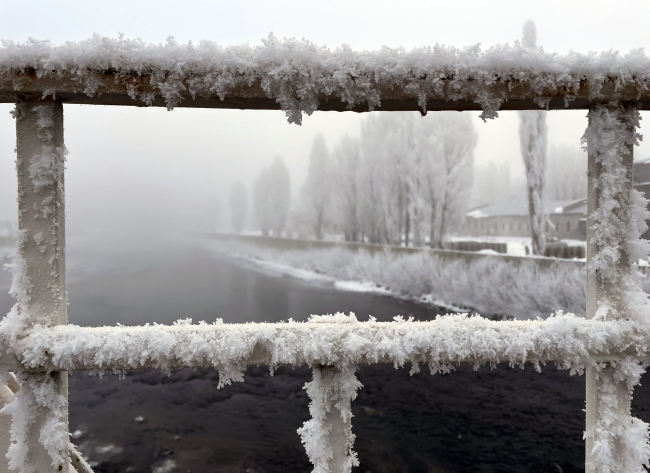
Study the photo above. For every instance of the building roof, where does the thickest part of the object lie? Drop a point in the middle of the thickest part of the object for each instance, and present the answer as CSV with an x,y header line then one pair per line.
x,y
520,208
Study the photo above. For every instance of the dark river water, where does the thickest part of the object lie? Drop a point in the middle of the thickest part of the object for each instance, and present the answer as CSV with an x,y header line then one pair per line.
x,y
504,420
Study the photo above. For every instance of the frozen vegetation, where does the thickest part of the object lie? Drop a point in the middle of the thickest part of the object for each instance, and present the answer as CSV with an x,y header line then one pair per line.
x,y
271,197
403,176
489,286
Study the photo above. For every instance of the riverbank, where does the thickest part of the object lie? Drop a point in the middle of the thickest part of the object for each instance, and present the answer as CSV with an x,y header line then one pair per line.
x,y
506,420
494,286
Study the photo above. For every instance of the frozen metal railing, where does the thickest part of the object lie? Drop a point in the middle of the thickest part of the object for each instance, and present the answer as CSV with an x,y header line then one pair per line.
x,y
611,345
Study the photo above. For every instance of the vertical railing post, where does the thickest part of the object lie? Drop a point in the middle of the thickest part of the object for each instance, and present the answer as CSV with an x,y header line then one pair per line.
x,y
40,414
609,137
328,436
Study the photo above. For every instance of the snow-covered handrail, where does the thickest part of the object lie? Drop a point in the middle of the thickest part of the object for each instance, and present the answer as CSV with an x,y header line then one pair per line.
x,y
299,76
569,341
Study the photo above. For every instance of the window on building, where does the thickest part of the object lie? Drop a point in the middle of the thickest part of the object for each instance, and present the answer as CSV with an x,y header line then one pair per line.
x,y
546,226
568,227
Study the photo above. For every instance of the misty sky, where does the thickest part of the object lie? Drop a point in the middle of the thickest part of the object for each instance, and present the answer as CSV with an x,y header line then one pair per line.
x,y
157,169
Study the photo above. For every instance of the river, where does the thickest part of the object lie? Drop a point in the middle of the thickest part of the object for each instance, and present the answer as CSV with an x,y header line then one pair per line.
x,y
503,420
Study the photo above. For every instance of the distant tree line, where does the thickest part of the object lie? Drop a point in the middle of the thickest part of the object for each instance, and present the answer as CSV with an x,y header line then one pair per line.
x,y
404,179
271,200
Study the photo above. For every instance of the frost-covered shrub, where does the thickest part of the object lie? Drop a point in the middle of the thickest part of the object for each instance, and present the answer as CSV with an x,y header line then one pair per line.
x,y
490,286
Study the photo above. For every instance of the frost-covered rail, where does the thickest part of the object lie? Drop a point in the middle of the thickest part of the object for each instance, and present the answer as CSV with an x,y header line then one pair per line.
x,y
569,341
298,76
611,346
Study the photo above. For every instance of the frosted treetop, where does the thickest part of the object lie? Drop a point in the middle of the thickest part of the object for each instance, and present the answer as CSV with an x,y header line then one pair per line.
x,y
300,76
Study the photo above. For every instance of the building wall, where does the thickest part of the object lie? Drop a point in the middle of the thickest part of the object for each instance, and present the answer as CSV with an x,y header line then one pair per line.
x,y
560,226
509,225
567,226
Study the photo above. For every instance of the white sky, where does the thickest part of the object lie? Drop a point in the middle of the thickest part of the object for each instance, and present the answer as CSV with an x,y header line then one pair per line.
x,y
129,165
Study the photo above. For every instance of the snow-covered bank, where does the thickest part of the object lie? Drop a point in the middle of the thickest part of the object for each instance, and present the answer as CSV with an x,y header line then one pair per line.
x,y
488,285
275,268
516,245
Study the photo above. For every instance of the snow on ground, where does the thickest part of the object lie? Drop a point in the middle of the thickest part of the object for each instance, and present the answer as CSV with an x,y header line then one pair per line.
x,y
516,245
488,252
356,286
273,268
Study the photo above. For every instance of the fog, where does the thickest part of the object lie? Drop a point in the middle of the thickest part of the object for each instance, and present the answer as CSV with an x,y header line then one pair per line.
x,y
149,169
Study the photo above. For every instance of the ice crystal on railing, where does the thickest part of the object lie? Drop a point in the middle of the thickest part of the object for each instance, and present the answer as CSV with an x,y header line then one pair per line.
x,y
299,75
327,436
620,442
38,409
610,136
570,341
37,404
618,219
339,342
615,428
47,167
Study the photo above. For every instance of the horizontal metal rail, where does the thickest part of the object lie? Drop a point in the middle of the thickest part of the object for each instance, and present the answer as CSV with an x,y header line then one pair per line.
x,y
114,89
569,341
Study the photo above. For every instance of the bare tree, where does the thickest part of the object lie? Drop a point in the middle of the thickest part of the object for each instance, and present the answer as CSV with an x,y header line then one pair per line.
x,y
280,195
375,214
451,140
272,197
405,176
316,192
261,191
385,141
347,160
533,140
238,206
